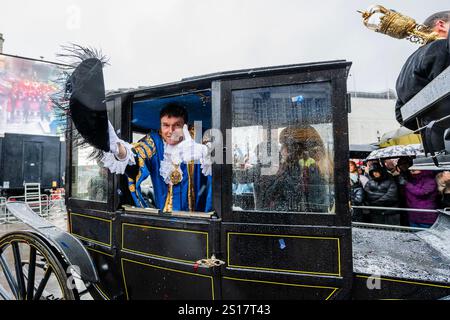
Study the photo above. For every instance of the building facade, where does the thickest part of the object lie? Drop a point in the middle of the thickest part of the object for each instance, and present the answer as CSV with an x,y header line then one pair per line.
x,y
372,115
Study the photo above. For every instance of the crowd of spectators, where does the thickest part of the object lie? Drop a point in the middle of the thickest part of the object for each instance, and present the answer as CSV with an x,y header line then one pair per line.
x,y
382,186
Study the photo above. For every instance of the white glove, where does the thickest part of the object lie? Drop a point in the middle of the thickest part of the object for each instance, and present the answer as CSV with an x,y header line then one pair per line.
x,y
113,140
191,151
110,159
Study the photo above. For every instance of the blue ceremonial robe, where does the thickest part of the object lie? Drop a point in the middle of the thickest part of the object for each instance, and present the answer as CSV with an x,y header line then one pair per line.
x,y
193,193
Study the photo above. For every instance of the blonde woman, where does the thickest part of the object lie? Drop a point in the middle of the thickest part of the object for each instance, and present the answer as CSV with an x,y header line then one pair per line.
x,y
443,185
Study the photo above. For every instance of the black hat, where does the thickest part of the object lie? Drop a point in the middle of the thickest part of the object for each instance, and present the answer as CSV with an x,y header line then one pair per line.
x,y
87,103
376,167
82,99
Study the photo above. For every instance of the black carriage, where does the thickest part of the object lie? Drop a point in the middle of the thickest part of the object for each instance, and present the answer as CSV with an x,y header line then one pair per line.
x,y
245,248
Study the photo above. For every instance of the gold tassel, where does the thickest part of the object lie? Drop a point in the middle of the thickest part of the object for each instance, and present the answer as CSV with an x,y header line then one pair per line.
x,y
191,193
169,200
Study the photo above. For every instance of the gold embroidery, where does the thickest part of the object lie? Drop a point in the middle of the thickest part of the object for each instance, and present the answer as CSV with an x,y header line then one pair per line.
x,y
169,200
191,194
131,185
150,142
141,152
145,152
141,164
141,146
147,149
175,176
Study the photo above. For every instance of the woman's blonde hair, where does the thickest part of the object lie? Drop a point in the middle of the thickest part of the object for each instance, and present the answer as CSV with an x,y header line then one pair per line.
x,y
306,138
443,183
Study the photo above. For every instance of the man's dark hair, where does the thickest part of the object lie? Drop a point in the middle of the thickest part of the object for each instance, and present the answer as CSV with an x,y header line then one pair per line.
x,y
176,110
431,20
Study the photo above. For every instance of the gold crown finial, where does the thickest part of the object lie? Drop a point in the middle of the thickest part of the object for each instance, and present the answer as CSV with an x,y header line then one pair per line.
x,y
396,25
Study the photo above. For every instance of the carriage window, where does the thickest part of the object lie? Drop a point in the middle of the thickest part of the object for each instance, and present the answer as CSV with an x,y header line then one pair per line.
x,y
89,180
283,149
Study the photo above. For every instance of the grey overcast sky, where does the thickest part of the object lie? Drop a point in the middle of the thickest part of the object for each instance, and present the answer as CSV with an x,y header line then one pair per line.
x,y
153,42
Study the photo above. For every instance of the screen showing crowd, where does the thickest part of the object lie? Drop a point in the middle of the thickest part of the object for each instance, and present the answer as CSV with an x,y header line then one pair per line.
x,y
25,89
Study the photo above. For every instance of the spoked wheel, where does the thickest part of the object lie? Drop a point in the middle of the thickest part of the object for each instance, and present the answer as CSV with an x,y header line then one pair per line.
x,y
29,270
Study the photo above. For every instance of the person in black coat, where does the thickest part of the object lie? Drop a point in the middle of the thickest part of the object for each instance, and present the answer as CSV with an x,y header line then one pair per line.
x,y
381,191
356,197
425,64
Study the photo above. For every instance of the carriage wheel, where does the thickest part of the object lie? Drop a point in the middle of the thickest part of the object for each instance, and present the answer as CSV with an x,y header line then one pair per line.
x,y
29,270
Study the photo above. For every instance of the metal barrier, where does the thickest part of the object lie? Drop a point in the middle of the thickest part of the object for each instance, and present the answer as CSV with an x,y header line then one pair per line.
x,y
396,209
386,227
3,213
382,220
5,216
46,206
42,204
57,202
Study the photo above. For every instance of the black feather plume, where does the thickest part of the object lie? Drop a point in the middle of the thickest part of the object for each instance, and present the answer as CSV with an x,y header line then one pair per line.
x,y
82,98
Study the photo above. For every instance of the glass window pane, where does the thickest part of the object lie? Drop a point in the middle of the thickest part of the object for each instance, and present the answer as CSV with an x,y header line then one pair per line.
x,y
89,180
283,149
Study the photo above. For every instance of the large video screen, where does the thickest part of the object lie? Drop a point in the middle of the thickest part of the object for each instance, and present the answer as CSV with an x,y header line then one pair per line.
x,y
25,89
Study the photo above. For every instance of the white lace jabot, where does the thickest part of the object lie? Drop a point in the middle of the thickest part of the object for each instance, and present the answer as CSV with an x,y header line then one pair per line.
x,y
170,163
173,157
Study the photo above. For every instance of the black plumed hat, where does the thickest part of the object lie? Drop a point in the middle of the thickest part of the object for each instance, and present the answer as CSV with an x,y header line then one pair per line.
x,y
83,98
87,103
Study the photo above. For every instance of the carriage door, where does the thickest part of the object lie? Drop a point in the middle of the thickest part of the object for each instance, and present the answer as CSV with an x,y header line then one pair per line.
x,y
285,231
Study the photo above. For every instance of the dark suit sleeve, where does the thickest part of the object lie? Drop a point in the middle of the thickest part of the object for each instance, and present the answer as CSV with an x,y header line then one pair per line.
x,y
419,70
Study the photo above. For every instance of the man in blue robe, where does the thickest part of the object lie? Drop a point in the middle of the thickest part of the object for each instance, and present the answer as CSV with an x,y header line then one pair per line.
x,y
179,168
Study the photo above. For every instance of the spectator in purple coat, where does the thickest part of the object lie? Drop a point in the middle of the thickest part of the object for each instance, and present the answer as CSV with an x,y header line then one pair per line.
x,y
421,193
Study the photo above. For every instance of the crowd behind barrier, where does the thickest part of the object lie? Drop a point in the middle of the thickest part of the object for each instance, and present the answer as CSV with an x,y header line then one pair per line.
x,y
388,192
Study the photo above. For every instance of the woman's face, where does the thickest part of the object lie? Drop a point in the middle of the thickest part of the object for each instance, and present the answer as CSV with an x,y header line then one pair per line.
x,y
352,167
316,151
376,174
284,153
389,164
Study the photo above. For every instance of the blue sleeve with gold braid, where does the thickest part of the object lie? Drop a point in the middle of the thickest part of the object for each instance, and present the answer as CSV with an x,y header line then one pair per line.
x,y
143,150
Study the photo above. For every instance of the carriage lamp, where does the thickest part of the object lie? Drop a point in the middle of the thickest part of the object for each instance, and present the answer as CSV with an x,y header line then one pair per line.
x,y
396,25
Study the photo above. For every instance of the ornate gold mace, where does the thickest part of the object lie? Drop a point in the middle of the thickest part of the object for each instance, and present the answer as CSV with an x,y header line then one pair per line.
x,y
396,25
